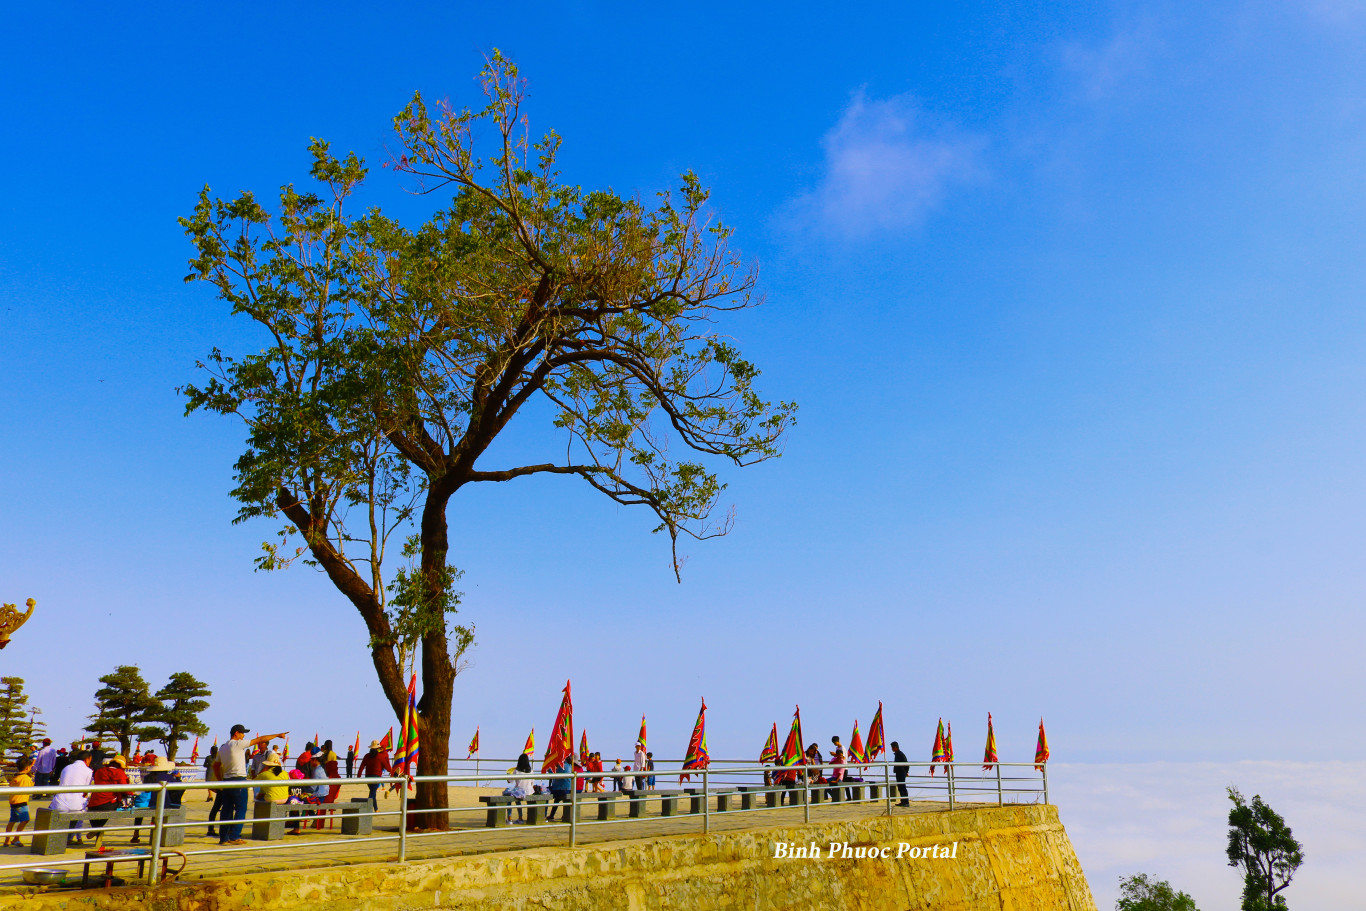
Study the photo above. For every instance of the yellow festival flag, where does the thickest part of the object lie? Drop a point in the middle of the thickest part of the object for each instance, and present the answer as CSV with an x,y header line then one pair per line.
x,y
530,746
643,744
990,758
474,743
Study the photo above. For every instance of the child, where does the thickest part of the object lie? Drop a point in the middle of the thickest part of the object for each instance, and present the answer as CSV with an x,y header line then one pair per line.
x,y
18,803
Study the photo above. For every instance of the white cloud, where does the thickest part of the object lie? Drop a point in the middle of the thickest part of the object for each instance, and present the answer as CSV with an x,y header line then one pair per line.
x,y
1100,70
884,169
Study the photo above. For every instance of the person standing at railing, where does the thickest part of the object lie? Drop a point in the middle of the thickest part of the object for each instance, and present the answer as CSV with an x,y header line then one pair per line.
x,y
329,760
650,766
18,803
375,764
232,759
901,768
45,764
559,790
638,765
350,761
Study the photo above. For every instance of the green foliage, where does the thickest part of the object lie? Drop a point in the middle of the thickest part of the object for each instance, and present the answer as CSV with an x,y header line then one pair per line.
x,y
181,700
416,609
1261,844
123,708
13,718
1143,893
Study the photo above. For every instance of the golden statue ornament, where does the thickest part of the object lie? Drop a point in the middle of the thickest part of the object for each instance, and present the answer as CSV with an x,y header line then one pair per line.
x,y
11,619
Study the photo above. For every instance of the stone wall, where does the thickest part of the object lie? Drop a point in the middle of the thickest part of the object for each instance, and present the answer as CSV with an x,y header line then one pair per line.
x,y
1010,859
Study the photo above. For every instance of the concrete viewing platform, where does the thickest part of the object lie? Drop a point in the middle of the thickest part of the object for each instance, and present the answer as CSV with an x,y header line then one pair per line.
x,y
532,866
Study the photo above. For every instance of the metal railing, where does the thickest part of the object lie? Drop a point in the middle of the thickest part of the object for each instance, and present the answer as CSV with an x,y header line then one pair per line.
x,y
708,792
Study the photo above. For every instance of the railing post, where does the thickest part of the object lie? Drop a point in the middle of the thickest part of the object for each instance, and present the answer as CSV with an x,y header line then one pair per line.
x,y
949,772
403,821
573,805
706,803
1045,782
887,785
806,794
1000,797
157,823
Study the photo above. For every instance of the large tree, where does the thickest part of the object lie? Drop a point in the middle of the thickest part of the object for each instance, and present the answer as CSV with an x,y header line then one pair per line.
x,y
123,707
394,357
181,700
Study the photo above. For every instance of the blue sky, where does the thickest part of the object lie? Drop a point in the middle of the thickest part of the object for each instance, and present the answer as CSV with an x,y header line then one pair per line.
x,y
1069,295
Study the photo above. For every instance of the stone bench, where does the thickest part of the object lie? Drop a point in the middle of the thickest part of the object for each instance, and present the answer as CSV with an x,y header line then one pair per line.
x,y
748,793
668,802
269,818
499,806
698,801
535,808
606,801
56,842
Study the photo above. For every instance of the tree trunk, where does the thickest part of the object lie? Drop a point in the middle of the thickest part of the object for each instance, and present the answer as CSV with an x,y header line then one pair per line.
x,y
438,675
172,748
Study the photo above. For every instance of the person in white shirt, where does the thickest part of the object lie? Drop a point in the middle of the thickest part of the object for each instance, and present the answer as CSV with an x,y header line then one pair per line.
x,y
519,785
44,763
76,773
638,764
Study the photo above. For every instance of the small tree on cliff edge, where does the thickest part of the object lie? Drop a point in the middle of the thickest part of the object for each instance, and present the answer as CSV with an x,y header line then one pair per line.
x,y
1141,892
1262,844
394,358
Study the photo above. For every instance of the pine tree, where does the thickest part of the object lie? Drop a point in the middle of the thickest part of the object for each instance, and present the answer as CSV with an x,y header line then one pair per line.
x,y
13,717
123,707
182,699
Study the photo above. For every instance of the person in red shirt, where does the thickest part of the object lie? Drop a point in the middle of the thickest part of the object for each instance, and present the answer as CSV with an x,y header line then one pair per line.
x,y
375,764
110,773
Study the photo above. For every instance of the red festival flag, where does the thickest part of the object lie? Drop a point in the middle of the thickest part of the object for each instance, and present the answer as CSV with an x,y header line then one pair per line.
x,y
990,758
877,744
1041,749
792,747
561,746
948,744
286,754
388,742
697,757
770,753
355,747
937,754
474,743
583,747
530,746
643,744
215,743
194,753
856,750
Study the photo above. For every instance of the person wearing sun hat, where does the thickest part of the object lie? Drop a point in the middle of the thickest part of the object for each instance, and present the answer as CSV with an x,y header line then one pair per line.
x,y
157,770
272,770
375,764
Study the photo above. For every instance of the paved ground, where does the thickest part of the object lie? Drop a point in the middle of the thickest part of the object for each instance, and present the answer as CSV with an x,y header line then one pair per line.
x,y
324,848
